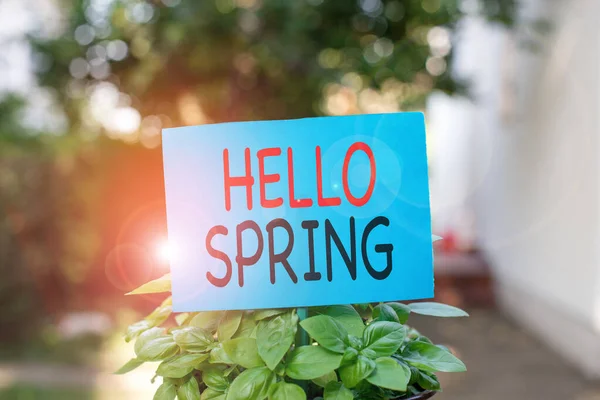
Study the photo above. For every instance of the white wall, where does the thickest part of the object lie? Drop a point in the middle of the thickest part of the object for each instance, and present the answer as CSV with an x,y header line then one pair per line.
x,y
533,177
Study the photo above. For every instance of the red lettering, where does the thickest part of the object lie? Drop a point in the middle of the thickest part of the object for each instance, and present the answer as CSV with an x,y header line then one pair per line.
x,y
367,150
323,201
267,178
294,202
229,181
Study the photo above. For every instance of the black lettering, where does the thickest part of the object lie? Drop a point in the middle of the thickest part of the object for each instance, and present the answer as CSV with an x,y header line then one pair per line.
x,y
380,248
350,261
310,226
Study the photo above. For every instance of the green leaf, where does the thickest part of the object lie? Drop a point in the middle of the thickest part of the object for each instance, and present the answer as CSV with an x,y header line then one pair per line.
x,y
211,394
136,329
369,353
429,357
286,391
389,374
327,332
311,362
182,318
402,311
384,337
192,339
208,320
129,366
262,314
428,382
160,314
424,339
354,373
244,352
155,345
181,365
384,312
322,381
229,324
337,391
355,342
160,285
166,391
189,390
437,310
247,327
275,336
348,317
214,378
350,355
252,384
219,356
157,317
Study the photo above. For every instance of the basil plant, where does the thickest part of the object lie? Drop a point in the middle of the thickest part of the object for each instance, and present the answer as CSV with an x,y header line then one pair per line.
x,y
337,352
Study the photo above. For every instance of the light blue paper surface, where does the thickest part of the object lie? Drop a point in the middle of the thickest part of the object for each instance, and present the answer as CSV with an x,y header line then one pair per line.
x,y
195,194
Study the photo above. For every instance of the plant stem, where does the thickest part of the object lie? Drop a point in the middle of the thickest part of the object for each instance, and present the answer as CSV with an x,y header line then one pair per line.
x,y
302,337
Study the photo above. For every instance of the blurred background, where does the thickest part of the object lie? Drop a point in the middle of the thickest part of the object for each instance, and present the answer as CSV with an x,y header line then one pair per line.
x,y
511,93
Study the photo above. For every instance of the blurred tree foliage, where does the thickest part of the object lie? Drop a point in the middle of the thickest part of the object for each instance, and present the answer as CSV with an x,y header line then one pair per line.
x,y
181,62
224,60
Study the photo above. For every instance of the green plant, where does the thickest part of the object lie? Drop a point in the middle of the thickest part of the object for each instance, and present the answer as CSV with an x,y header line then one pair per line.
x,y
354,352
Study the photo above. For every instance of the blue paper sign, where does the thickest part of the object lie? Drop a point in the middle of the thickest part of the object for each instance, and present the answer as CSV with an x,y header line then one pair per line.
x,y
308,212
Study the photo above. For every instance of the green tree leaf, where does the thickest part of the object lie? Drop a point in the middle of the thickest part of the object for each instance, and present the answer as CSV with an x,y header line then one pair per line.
x,y
207,320
322,381
129,366
402,311
275,336
252,384
286,391
215,379
311,362
429,357
352,374
192,339
160,285
389,374
384,312
348,317
166,391
155,345
180,365
229,324
189,390
337,391
327,332
244,352
437,310
384,337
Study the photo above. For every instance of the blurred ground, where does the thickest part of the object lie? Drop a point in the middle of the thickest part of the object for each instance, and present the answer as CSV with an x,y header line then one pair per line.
x,y
504,363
